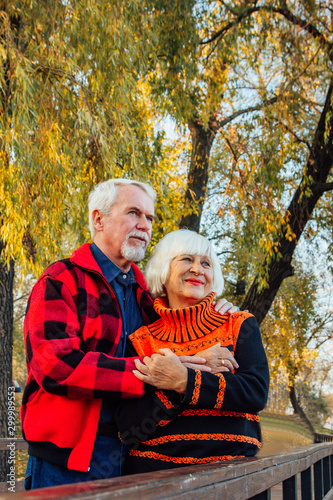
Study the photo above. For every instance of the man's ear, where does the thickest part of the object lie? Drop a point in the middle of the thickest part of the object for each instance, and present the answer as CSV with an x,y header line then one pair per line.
x,y
97,219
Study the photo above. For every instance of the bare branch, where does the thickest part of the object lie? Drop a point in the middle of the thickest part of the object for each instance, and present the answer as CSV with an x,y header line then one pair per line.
x,y
24,296
240,112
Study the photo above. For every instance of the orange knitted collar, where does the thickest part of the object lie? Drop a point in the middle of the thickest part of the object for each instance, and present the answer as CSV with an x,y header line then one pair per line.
x,y
183,325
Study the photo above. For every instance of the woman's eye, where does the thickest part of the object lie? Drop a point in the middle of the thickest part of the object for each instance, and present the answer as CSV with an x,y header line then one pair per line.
x,y
206,263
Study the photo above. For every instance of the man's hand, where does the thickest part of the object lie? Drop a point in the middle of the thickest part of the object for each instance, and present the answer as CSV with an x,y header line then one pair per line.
x,y
222,306
219,359
195,362
164,371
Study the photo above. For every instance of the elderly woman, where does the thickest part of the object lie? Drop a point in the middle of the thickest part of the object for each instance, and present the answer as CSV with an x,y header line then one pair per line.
x,y
209,415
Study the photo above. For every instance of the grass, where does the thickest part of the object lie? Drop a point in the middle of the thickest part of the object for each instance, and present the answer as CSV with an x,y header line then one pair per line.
x,y
281,433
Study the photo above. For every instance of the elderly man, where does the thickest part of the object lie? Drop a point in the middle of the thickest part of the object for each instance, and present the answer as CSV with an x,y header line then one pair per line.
x,y
79,314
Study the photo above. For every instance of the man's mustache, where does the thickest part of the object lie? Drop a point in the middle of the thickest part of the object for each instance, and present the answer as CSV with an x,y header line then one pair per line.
x,y
138,234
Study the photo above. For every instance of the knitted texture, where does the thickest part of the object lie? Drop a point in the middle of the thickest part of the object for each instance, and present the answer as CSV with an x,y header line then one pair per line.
x,y
217,417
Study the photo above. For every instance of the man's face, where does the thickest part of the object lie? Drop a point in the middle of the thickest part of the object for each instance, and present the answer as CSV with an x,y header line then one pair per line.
x,y
124,234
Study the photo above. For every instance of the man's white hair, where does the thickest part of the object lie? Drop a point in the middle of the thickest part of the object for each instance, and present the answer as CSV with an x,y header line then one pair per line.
x,y
181,242
104,195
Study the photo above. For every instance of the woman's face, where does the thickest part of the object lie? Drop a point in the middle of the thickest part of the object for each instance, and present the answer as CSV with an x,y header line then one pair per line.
x,y
189,281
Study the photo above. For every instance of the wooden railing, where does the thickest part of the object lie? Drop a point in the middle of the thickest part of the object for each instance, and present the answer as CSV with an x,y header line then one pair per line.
x,y
249,478
323,438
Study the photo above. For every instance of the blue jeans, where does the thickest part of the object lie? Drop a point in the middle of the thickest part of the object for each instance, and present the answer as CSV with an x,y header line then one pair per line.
x,y
106,462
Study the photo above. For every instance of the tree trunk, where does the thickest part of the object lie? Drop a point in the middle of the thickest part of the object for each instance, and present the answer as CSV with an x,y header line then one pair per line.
x,y
319,164
202,139
298,409
6,346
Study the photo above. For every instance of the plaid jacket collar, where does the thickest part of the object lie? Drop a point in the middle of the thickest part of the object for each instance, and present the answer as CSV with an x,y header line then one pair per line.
x,y
83,258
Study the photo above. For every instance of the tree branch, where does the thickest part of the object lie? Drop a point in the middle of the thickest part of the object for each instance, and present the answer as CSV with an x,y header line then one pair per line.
x,y
283,11
240,112
302,23
242,15
322,188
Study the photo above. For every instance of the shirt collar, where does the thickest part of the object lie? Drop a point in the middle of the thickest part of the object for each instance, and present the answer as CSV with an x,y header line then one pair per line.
x,y
110,270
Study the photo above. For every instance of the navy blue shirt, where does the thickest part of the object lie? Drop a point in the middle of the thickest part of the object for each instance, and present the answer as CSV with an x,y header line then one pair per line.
x,y
122,285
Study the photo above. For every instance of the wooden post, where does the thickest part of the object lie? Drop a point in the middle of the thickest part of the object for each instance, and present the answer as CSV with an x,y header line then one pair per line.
x,y
289,488
326,474
318,480
306,484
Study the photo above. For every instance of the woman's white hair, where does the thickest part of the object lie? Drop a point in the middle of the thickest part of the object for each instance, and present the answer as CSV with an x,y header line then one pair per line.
x,y
104,195
181,242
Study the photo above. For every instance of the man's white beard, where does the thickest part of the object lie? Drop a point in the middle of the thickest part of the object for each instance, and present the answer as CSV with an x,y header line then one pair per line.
x,y
134,253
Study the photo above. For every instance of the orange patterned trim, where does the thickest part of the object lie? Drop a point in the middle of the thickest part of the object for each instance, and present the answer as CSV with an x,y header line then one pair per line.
x,y
162,397
202,437
219,413
162,423
220,394
182,460
197,385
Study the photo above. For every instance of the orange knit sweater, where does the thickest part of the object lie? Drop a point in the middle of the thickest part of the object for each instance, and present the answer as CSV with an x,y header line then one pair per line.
x,y
217,417
187,331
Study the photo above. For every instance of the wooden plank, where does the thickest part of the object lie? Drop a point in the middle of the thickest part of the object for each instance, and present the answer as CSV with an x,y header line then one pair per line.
x,y
236,479
19,486
20,444
265,495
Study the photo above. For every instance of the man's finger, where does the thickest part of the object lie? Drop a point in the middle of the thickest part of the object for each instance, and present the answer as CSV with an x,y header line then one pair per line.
x,y
228,307
141,367
233,309
222,306
165,351
202,368
155,355
139,375
197,360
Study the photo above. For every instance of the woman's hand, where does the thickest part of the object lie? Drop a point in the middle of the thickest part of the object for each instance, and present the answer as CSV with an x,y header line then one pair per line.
x,y
164,371
219,359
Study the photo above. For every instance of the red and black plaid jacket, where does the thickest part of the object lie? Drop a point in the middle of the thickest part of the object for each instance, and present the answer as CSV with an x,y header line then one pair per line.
x,y
72,329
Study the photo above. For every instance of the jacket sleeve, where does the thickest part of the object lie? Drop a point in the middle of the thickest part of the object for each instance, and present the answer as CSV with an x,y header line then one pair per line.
x,y
56,353
246,390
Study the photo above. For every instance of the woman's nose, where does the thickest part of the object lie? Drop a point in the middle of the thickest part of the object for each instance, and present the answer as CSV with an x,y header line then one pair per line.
x,y
196,268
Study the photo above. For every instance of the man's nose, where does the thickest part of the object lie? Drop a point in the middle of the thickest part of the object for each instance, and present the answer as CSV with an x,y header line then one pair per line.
x,y
143,223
